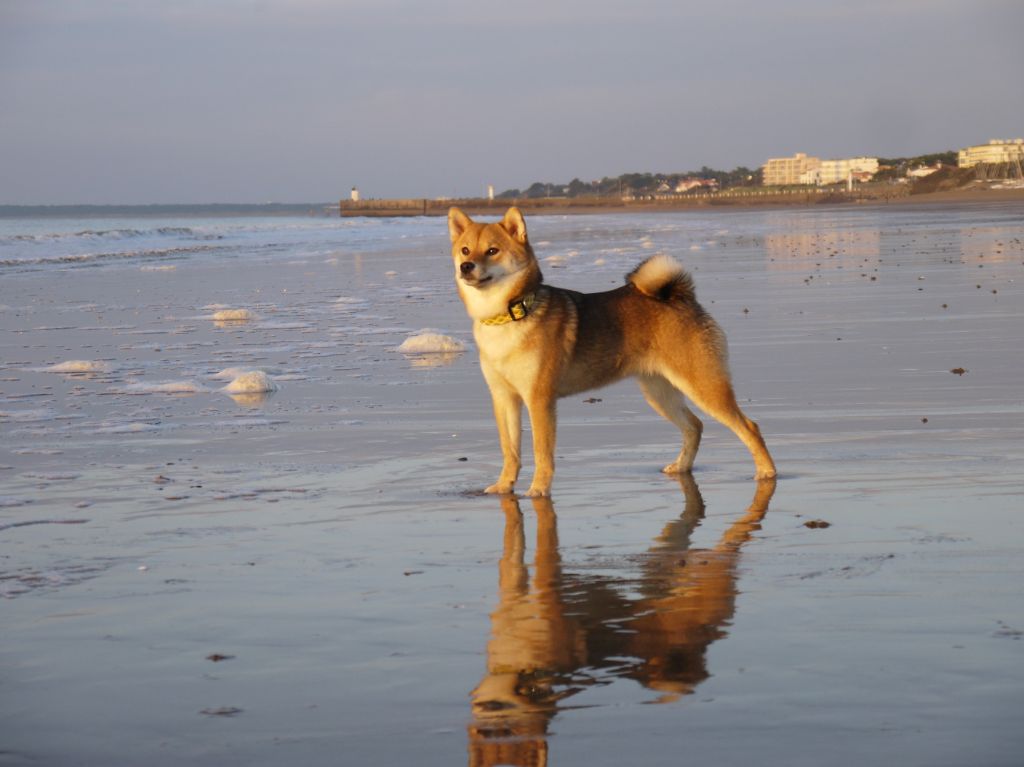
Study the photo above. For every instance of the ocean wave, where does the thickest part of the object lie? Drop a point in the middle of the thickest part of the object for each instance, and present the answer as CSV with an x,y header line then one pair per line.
x,y
39,244
92,235
85,258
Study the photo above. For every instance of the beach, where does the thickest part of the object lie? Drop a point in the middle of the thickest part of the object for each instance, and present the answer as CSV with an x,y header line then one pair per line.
x,y
239,525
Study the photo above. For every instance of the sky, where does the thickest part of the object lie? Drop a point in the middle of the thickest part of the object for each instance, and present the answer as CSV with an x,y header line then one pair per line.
x,y
193,101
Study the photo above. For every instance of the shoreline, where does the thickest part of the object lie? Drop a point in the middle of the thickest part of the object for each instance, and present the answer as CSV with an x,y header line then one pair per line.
x,y
394,208
391,208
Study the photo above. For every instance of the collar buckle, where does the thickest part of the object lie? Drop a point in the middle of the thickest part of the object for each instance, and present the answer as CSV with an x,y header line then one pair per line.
x,y
517,310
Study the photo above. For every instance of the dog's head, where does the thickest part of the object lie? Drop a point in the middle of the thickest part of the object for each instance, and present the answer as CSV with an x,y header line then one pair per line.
x,y
487,255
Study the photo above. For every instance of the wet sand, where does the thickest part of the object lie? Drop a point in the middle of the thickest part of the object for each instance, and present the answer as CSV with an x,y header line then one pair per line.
x,y
311,576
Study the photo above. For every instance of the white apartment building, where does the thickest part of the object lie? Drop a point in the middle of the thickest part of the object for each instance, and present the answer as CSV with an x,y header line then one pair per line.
x,y
837,171
994,152
780,171
801,169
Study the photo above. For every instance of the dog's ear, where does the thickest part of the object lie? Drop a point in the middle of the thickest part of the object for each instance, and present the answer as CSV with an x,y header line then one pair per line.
x,y
458,223
514,224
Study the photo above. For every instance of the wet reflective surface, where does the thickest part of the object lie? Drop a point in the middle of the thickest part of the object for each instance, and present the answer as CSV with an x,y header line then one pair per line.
x,y
556,632
329,542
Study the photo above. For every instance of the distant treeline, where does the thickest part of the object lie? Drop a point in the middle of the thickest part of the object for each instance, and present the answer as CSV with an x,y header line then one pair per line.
x,y
636,184
642,184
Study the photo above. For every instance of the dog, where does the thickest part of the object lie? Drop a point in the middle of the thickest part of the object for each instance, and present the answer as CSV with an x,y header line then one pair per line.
x,y
538,343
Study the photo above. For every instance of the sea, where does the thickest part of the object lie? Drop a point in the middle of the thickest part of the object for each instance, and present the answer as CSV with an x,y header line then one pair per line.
x,y
61,237
40,238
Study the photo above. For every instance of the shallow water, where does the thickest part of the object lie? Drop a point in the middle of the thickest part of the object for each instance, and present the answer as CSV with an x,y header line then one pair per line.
x,y
329,537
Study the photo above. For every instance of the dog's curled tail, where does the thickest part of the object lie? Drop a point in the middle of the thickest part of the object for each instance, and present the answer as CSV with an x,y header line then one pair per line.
x,y
664,278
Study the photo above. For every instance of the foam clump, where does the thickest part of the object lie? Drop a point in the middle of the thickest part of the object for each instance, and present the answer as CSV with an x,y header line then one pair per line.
x,y
228,374
128,428
79,366
252,382
431,343
233,315
170,387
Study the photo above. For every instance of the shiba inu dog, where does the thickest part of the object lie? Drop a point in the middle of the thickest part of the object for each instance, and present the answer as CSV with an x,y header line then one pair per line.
x,y
538,343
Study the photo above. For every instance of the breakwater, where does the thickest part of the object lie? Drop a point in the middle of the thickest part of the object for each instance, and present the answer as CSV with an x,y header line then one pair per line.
x,y
557,205
476,206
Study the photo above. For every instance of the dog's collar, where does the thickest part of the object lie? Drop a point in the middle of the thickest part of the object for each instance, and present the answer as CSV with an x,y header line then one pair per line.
x,y
517,310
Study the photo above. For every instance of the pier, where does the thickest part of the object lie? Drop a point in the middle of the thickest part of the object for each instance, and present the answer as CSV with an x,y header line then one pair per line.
x,y
565,205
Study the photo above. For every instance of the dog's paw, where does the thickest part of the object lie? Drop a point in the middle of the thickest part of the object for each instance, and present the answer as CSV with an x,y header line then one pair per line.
x,y
538,492
766,474
499,488
677,468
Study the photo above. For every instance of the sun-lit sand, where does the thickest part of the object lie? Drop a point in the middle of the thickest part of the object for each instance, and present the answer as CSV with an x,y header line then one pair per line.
x,y
312,576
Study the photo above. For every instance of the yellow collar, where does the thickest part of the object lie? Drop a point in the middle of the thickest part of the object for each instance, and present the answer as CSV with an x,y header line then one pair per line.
x,y
517,310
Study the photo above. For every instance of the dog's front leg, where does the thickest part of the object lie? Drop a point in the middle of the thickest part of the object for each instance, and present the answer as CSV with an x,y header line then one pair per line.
x,y
508,414
543,424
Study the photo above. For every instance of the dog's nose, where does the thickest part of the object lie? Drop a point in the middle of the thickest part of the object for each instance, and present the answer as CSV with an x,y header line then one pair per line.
x,y
467,267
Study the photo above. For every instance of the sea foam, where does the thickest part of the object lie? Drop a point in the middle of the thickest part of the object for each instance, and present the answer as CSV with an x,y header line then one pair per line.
x,y
252,382
228,374
427,342
233,315
79,366
130,428
168,387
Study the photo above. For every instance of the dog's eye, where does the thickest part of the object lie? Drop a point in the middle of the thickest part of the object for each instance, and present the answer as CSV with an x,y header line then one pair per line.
x,y
491,252
465,251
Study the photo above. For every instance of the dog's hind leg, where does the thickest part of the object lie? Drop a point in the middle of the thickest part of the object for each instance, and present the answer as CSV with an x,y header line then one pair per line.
x,y
714,396
670,404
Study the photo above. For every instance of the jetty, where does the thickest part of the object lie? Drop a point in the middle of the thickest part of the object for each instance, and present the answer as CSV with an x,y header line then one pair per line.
x,y
384,208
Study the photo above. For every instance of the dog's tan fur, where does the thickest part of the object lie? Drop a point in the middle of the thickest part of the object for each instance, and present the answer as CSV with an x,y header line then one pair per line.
x,y
651,328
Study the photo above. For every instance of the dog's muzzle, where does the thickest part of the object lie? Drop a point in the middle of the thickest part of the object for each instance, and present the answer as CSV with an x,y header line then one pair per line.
x,y
471,275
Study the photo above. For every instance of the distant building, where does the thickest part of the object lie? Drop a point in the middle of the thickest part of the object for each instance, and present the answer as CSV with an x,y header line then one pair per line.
x,y
923,170
780,171
354,195
838,171
994,152
689,184
801,169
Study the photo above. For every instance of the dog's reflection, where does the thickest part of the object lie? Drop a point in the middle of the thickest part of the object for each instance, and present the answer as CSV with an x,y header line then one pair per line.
x,y
555,634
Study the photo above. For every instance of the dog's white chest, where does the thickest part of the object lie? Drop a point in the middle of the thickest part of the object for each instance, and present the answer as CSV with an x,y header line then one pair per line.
x,y
481,304
504,348
500,342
